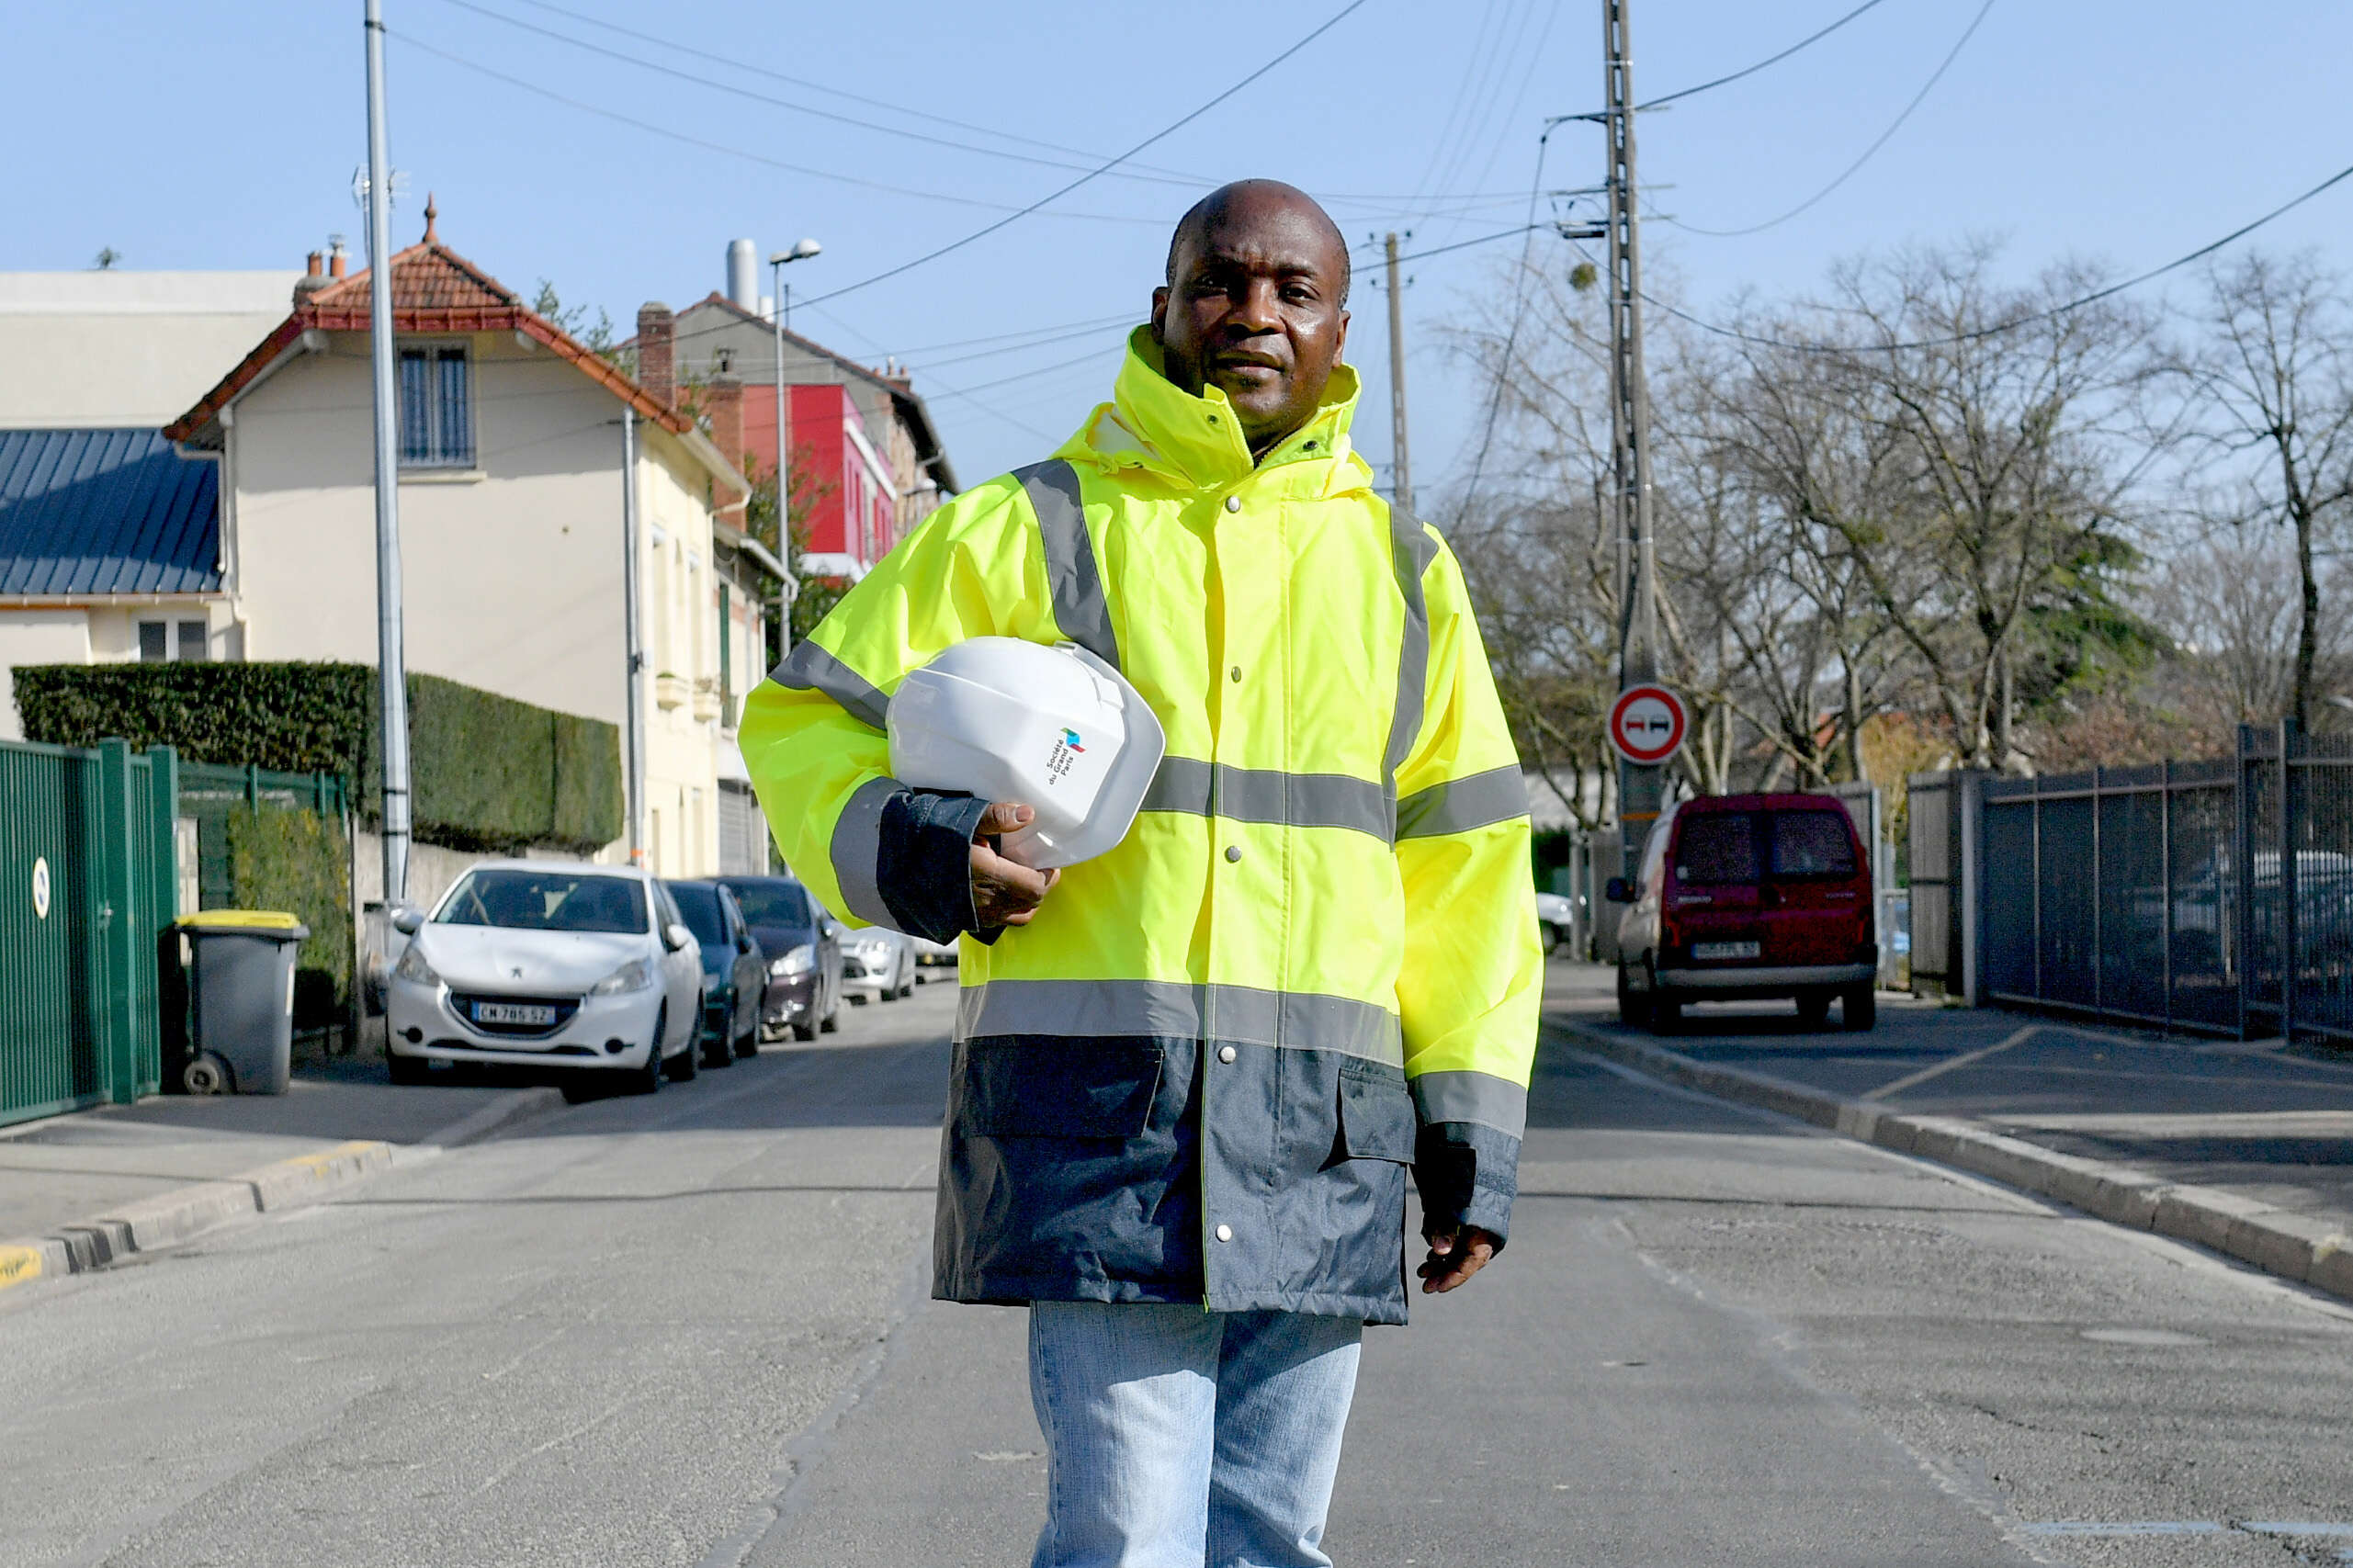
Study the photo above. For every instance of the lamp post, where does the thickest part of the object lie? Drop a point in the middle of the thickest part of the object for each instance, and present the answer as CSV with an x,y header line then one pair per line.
x,y
801,250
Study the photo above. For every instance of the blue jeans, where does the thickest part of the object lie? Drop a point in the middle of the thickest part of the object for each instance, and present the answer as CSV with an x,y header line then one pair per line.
x,y
1178,1437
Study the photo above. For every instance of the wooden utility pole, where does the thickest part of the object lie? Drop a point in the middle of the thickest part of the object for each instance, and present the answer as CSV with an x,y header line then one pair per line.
x,y
1396,384
1640,788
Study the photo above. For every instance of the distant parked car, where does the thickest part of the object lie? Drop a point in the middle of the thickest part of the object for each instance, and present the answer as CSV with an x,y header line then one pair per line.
x,y
735,975
554,964
1556,917
930,954
877,962
802,945
1742,895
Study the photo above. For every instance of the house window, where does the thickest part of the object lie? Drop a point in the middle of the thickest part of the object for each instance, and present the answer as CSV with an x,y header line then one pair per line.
x,y
156,639
437,409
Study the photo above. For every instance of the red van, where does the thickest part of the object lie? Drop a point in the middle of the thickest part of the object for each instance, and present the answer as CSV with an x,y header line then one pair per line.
x,y
1745,896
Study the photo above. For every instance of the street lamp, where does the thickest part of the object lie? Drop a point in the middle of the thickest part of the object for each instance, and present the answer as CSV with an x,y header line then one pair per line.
x,y
781,292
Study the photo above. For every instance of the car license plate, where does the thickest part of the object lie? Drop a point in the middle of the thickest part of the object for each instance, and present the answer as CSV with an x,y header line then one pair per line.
x,y
1707,949
514,1012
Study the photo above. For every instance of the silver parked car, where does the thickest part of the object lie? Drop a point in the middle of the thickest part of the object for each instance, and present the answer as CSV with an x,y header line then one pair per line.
x,y
552,965
878,964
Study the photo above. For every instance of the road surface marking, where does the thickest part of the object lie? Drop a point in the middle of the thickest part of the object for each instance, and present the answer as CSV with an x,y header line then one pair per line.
x,y
19,1265
1950,1064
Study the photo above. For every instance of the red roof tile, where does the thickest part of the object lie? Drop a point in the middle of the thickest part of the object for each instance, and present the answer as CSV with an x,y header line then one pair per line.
x,y
435,290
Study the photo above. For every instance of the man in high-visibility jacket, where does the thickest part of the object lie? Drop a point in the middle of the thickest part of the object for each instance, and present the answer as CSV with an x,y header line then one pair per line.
x,y
1191,1075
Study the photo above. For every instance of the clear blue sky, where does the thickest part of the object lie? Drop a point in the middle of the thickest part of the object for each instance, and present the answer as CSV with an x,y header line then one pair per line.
x,y
226,137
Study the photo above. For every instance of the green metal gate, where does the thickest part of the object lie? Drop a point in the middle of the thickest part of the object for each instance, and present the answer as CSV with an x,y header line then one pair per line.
x,y
88,883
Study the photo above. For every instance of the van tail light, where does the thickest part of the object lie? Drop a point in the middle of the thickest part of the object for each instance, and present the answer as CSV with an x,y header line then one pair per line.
x,y
1670,935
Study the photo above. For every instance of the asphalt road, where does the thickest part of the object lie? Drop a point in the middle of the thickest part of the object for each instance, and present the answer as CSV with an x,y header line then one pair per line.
x,y
691,1329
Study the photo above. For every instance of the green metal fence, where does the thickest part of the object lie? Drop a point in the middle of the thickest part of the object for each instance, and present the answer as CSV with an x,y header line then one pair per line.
x,y
210,793
88,883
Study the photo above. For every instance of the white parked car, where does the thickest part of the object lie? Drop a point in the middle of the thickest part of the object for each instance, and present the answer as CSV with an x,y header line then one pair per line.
x,y
553,964
1557,916
877,965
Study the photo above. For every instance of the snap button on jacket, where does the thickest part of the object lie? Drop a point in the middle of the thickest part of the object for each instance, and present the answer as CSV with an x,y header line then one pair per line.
x,y
1312,964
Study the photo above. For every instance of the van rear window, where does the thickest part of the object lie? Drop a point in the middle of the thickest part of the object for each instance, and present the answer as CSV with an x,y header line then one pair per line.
x,y
1812,843
1717,847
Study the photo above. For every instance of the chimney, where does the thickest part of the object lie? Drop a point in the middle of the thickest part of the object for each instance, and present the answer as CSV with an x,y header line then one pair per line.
x,y
723,401
334,256
657,350
312,280
743,274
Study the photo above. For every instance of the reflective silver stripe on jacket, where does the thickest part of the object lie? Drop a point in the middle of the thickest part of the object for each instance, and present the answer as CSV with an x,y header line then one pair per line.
x,y
1479,800
856,849
1413,551
1174,1009
809,668
1266,795
1466,1096
1081,608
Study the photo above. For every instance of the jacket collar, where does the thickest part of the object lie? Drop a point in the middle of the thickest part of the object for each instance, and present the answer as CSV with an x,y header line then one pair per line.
x,y
1197,439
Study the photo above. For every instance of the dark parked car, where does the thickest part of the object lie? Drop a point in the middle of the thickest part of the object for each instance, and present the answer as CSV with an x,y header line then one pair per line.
x,y
802,945
735,973
1742,895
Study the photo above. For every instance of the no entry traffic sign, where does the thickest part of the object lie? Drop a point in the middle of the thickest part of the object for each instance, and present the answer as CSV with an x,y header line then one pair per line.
x,y
1647,724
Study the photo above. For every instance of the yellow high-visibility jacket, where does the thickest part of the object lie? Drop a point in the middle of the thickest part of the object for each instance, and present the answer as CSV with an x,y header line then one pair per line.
x,y
1200,1074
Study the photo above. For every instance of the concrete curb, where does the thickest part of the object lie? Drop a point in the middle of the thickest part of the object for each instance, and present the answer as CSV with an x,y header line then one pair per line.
x,y
169,1218
2277,1241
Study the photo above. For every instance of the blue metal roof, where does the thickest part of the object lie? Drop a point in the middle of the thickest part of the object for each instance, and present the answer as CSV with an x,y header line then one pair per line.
x,y
91,512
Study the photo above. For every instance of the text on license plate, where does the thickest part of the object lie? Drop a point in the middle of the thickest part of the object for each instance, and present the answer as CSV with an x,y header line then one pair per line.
x,y
1706,950
514,1012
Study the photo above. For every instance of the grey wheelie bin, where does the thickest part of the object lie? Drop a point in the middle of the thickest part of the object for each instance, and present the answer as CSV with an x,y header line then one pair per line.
x,y
240,969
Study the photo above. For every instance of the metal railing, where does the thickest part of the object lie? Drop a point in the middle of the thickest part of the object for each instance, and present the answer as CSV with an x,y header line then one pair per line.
x,y
2212,896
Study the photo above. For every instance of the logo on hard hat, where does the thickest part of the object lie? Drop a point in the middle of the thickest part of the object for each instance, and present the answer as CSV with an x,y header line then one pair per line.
x,y
1066,749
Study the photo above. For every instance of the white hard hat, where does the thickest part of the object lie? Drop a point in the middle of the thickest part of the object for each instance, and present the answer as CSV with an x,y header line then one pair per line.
x,y
1056,730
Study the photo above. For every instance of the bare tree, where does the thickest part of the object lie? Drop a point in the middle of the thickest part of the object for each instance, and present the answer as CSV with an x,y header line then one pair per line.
x,y
2275,375
1994,539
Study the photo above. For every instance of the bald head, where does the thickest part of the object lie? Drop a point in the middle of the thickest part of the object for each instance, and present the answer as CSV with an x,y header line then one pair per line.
x,y
1258,200
1256,304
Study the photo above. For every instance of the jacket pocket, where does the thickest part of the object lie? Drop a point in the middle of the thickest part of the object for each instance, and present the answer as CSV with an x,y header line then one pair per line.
x,y
1059,1088
1377,1120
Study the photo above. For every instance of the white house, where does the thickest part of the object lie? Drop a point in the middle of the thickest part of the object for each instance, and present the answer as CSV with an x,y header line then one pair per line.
x,y
511,502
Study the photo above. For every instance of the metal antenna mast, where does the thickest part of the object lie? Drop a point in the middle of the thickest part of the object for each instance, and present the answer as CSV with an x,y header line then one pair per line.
x,y
391,660
1640,788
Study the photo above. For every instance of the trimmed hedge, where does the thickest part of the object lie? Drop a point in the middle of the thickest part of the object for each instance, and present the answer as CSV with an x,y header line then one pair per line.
x,y
296,860
488,772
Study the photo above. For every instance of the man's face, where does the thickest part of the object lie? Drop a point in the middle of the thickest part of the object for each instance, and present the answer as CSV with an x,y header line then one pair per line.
x,y
1254,307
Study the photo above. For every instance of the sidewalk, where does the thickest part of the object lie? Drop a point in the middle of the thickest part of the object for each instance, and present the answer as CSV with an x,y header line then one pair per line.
x,y
78,1190
2246,1147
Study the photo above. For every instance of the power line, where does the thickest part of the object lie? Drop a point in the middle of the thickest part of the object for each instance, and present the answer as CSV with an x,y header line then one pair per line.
x,y
673,72
1511,337
804,81
750,68
2094,298
650,128
1806,41
1868,153
1745,70
1166,131
1467,244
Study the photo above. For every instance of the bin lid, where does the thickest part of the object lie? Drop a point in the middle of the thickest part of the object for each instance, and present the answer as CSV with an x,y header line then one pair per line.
x,y
260,922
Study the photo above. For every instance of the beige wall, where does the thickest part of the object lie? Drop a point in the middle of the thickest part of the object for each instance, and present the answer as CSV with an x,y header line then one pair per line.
x,y
512,571
126,349
37,636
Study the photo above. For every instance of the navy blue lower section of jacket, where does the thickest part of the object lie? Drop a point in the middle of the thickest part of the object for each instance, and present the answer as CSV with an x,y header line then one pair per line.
x,y
1074,1171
